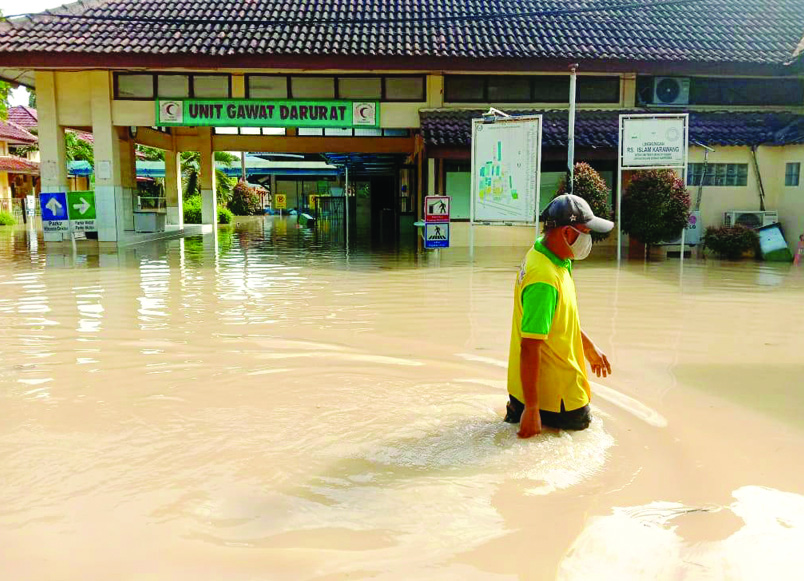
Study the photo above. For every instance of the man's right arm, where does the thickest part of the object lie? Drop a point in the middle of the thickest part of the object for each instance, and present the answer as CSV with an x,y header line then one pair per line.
x,y
529,359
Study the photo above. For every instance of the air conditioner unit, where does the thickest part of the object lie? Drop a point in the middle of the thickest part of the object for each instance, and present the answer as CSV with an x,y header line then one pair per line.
x,y
751,218
671,91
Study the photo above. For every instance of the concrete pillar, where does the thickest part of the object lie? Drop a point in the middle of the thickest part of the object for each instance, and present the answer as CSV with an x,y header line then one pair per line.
x,y
52,149
109,195
128,177
209,196
173,193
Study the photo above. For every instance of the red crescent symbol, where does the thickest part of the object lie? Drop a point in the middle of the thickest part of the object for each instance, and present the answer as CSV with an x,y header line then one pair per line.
x,y
169,109
362,111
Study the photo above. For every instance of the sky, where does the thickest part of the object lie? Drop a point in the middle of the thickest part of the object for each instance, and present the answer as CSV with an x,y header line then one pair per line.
x,y
9,7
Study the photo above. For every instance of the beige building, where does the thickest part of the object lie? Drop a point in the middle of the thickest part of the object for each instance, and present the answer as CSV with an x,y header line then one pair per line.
x,y
107,68
18,174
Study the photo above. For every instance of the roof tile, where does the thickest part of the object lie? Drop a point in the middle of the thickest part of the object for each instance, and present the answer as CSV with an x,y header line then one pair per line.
x,y
711,31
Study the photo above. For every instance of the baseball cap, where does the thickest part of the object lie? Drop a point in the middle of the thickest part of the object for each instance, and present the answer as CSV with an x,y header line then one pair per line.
x,y
571,210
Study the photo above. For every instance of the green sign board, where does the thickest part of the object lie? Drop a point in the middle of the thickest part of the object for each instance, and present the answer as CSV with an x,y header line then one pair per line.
x,y
81,209
266,113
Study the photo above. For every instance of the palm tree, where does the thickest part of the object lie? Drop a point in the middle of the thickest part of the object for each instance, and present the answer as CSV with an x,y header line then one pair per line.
x,y
190,167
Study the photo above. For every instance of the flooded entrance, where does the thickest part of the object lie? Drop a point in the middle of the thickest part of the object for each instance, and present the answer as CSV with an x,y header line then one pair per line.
x,y
269,405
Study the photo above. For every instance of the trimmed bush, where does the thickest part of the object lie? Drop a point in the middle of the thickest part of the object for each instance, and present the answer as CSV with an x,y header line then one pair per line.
x,y
588,184
245,200
7,219
655,206
225,215
732,242
192,210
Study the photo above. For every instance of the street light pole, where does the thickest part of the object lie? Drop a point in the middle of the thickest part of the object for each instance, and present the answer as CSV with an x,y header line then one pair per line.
x,y
571,132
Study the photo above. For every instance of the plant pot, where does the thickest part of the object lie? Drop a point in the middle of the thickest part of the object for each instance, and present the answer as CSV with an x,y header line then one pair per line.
x,y
656,253
636,249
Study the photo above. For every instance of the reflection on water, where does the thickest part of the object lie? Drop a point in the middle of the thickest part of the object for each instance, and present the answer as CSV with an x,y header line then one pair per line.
x,y
267,401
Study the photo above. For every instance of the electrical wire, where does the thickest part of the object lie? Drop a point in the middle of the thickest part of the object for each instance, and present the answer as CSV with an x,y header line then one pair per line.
x,y
330,21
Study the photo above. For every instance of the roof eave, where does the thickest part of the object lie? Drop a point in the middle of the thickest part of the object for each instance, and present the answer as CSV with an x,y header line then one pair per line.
x,y
33,60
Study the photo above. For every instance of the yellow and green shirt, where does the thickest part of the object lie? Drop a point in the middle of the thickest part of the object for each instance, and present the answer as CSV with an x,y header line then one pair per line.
x,y
545,307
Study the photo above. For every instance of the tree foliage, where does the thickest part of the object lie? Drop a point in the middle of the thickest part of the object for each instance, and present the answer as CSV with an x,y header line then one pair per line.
x,y
191,179
588,184
245,200
731,242
655,206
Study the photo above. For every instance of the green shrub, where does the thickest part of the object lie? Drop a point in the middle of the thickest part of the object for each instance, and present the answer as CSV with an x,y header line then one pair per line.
x,y
7,219
245,200
225,215
588,184
731,242
192,210
655,206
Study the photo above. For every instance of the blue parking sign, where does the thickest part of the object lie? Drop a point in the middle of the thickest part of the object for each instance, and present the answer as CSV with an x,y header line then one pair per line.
x,y
54,206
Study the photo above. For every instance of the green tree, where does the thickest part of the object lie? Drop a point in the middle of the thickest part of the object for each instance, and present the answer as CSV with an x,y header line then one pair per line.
x,y
190,167
78,149
31,99
588,184
655,206
151,153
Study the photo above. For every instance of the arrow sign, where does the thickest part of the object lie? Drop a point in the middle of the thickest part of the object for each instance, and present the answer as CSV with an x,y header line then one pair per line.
x,y
83,207
54,206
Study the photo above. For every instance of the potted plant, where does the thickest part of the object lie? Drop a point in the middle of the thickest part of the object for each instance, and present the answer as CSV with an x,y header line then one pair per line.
x,y
731,242
588,184
655,208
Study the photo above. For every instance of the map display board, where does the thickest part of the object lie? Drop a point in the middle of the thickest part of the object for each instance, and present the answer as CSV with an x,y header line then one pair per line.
x,y
506,156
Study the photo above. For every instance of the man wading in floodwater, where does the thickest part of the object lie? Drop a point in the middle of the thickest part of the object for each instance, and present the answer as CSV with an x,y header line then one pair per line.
x,y
547,382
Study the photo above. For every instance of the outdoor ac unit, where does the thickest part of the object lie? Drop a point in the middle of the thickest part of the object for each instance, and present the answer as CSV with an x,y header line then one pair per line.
x,y
671,91
750,218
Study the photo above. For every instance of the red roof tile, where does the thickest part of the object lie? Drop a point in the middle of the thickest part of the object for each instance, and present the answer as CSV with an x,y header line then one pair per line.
x,y
664,31
13,133
14,164
23,116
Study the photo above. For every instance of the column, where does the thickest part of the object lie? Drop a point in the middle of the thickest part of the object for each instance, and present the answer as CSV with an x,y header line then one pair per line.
x,y
109,198
175,211
52,149
128,177
209,196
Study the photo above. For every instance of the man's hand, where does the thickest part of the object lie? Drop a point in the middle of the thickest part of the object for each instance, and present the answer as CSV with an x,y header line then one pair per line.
x,y
530,424
597,359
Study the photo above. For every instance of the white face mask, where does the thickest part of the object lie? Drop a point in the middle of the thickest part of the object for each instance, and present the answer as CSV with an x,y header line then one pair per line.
x,y
582,246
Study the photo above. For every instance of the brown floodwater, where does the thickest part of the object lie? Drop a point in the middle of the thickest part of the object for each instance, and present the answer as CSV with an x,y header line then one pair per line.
x,y
267,405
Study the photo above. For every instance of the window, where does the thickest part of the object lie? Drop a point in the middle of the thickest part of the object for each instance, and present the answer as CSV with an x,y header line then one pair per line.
x,y
249,130
266,87
211,86
533,89
718,174
464,88
404,89
792,174
146,87
173,86
312,87
135,86
598,89
360,87
509,89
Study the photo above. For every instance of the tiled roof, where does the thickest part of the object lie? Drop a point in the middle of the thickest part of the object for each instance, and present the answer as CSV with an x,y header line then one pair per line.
x,y
702,31
13,133
14,164
599,129
23,116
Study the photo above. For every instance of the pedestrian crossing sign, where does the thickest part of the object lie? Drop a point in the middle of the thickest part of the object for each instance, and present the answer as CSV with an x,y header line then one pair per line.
x,y
436,235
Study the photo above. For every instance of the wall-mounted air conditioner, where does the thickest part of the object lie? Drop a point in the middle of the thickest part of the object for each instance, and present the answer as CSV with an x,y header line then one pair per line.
x,y
750,218
671,91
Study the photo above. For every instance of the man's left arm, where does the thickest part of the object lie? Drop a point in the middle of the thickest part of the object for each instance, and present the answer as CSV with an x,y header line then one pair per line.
x,y
596,358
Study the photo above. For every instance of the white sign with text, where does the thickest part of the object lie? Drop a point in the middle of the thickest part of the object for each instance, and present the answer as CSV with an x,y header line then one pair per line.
x,y
654,142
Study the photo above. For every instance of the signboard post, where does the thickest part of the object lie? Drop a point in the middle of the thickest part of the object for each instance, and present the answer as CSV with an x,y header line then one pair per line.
x,y
651,142
436,221
81,209
506,158
30,205
54,215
